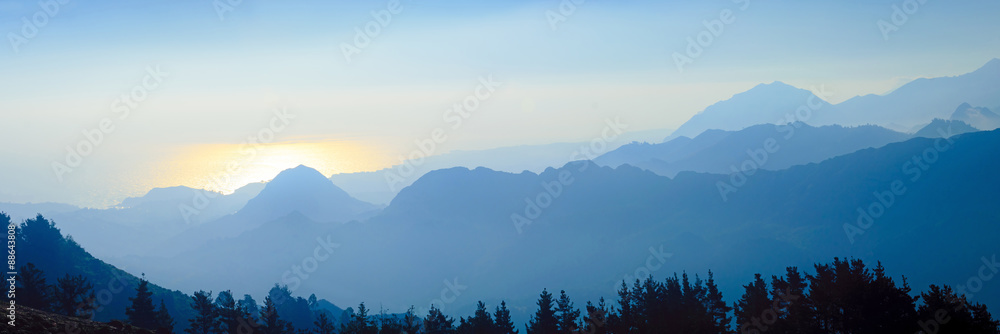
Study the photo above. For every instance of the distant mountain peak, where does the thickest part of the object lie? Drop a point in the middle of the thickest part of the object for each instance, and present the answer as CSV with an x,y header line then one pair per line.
x,y
307,191
978,117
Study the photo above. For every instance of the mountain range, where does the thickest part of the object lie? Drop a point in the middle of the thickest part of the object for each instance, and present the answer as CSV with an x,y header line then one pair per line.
x,y
470,230
905,109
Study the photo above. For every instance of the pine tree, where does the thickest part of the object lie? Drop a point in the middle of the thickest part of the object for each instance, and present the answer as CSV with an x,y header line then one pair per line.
x,y
248,308
795,314
359,323
411,322
501,317
206,320
388,324
74,296
229,314
568,316
323,324
623,321
716,307
438,323
544,321
753,310
270,322
596,319
142,312
481,322
33,290
164,322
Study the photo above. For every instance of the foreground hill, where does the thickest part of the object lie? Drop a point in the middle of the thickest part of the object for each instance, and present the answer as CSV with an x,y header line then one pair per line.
x,y
32,321
42,244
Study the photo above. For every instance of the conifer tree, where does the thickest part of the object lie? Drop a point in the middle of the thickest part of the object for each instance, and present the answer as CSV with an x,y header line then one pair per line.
x,y
164,322
206,319
142,312
544,321
501,317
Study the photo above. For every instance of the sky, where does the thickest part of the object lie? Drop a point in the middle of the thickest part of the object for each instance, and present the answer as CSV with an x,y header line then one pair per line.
x,y
190,89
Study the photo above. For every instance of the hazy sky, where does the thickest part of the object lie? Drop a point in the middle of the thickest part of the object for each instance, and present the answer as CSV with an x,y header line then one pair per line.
x,y
221,77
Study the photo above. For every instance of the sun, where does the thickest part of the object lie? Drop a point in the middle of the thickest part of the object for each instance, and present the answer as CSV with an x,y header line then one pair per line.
x,y
227,167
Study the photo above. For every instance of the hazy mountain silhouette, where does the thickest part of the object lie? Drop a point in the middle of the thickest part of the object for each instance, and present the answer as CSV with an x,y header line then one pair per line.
x,y
919,101
978,117
936,129
301,189
306,191
763,104
138,222
375,186
717,151
907,107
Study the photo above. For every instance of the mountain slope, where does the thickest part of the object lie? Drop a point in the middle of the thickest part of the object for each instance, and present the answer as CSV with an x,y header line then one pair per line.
x,y
979,117
763,104
944,128
904,109
717,151
42,244
919,101
301,189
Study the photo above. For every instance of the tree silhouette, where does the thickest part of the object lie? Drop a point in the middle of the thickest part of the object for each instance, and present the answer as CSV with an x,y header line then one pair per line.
x,y
544,321
33,289
438,323
229,313
848,297
206,320
359,323
323,324
501,318
411,322
794,310
568,316
596,319
74,296
142,313
164,321
271,323
716,307
754,310
945,312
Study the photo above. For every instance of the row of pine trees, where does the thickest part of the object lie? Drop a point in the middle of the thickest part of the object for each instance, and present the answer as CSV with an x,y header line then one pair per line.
x,y
841,297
